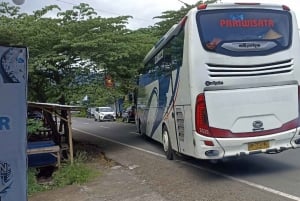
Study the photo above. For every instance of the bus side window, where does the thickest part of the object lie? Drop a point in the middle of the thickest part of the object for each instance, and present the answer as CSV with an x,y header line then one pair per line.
x,y
174,53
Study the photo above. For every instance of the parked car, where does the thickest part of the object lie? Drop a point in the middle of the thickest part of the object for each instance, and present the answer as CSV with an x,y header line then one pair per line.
x,y
90,112
104,114
35,115
128,115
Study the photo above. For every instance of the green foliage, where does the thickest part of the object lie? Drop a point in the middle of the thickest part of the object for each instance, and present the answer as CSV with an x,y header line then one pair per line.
x,y
78,173
66,51
171,17
68,174
33,125
33,186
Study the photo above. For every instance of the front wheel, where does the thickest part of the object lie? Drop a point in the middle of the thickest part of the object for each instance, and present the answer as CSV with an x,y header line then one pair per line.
x,y
167,144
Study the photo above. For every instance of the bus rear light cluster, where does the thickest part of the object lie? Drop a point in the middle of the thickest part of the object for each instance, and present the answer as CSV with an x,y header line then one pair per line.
x,y
209,143
201,118
202,6
286,8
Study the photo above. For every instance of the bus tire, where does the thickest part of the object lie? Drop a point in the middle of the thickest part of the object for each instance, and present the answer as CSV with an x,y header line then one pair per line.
x,y
167,144
144,136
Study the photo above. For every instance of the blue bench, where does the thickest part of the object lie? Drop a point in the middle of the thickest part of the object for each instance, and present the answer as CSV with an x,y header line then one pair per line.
x,y
43,153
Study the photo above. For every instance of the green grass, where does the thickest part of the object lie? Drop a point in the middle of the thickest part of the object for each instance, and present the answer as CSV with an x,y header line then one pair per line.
x,y
77,173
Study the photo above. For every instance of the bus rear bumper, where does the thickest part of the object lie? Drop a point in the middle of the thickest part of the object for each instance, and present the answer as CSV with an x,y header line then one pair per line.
x,y
235,147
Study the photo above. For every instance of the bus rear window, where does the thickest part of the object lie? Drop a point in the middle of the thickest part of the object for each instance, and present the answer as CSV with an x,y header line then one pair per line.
x,y
244,32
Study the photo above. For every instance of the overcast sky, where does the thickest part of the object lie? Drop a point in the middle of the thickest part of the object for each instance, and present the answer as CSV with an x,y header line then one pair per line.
x,y
142,11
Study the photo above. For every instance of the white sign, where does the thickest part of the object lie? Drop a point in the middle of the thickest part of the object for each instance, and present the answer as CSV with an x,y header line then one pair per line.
x,y
13,114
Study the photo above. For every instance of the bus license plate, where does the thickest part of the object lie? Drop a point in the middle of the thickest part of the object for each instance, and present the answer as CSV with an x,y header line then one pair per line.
x,y
258,145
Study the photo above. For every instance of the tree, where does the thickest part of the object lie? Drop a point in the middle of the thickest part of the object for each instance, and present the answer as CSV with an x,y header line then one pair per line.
x,y
71,54
171,17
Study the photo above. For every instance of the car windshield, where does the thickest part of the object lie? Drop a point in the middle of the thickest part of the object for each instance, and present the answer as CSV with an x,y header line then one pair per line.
x,y
106,109
244,31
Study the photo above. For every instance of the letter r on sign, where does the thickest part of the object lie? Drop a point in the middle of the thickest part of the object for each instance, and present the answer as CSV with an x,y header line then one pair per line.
x,y
4,123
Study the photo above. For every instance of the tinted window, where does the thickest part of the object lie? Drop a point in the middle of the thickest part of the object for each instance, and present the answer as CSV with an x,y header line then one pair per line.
x,y
240,32
168,58
106,109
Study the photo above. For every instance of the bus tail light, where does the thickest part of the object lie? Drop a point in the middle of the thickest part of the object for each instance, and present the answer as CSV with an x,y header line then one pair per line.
x,y
201,118
202,6
286,8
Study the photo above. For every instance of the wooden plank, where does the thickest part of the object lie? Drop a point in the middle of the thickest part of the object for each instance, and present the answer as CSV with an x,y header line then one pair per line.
x,y
43,150
55,150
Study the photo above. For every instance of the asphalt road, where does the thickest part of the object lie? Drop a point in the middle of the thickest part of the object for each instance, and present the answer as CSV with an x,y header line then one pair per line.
x,y
278,174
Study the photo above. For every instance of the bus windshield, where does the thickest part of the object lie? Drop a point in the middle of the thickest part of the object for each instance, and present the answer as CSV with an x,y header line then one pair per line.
x,y
244,32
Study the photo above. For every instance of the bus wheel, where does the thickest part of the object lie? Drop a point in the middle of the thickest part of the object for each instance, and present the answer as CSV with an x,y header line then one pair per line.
x,y
167,144
143,134
139,127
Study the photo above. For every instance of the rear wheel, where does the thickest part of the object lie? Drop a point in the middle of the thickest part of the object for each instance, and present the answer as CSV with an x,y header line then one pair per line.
x,y
143,134
167,144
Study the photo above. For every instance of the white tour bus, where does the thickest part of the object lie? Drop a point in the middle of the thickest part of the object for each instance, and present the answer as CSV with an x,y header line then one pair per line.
x,y
224,82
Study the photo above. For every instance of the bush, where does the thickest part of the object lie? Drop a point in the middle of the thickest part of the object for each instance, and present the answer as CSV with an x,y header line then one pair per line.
x,y
33,186
77,173
33,125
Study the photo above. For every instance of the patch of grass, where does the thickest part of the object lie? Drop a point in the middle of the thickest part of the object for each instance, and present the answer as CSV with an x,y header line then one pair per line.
x,y
80,172
33,186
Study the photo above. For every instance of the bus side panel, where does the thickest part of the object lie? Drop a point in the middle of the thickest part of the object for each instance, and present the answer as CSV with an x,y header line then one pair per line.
x,y
146,104
184,103
152,110
184,127
155,107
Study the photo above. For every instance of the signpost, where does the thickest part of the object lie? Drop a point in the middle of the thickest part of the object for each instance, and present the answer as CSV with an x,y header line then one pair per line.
x,y
13,114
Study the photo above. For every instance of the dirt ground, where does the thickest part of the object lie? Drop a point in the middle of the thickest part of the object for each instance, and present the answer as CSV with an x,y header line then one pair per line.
x,y
116,182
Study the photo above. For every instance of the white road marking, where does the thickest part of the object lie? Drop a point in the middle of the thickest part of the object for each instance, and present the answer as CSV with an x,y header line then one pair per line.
x,y
117,142
258,186
135,133
104,127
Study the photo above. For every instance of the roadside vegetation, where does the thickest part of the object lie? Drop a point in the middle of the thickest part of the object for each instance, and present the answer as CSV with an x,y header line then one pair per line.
x,y
71,54
81,171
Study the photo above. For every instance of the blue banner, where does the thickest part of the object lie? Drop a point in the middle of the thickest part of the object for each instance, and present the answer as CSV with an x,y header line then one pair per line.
x,y
13,115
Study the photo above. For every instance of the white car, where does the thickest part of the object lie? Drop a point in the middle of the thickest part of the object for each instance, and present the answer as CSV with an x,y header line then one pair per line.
x,y
104,114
